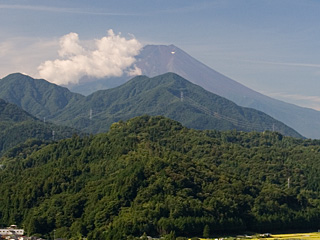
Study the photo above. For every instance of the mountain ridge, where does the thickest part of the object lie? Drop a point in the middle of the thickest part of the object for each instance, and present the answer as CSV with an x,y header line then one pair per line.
x,y
174,97
96,112
37,96
155,60
168,94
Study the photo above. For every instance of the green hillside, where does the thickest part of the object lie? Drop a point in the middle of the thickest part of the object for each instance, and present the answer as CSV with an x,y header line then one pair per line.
x,y
168,95
36,96
152,175
16,126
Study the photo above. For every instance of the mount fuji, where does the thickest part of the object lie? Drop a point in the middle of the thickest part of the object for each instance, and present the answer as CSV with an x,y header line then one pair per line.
x,y
154,60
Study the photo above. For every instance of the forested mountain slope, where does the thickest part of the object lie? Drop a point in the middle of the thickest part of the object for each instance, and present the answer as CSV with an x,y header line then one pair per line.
x,y
16,126
36,96
168,95
151,174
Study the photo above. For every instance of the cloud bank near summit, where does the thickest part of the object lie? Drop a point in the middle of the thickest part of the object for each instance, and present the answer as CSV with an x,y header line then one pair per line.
x,y
110,56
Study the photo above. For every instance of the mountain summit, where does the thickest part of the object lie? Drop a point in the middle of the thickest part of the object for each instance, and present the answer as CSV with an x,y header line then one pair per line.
x,y
36,96
158,59
154,60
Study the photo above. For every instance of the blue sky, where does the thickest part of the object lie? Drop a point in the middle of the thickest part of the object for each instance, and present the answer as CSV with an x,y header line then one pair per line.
x,y
272,46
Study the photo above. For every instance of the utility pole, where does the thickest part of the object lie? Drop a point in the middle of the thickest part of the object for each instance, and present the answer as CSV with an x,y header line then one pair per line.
x,y
181,96
90,114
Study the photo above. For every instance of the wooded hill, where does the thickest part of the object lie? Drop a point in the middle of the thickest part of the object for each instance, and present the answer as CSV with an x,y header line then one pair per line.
x,y
168,95
36,96
16,126
152,175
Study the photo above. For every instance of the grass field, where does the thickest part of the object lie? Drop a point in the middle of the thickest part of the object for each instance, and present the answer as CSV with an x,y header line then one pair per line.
x,y
314,235
304,236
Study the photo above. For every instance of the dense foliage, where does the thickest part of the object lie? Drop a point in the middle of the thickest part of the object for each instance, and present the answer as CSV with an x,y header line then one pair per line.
x,y
152,175
168,95
36,96
16,126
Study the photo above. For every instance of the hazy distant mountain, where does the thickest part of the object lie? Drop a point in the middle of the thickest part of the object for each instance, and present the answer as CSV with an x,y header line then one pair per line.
x,y
155,60
158,59
89,85
36,96
16,126
169,95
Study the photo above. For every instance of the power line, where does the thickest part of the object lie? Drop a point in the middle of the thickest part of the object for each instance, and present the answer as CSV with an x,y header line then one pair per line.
x,y
235,122
90,114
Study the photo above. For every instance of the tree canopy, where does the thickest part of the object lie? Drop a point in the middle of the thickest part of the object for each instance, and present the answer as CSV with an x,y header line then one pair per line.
x,y
152,175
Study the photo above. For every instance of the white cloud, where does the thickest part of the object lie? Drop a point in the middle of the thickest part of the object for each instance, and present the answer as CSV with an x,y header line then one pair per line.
x,y
34,8
134,71
287,64
42,8
111,56
5,48
70,45
298,99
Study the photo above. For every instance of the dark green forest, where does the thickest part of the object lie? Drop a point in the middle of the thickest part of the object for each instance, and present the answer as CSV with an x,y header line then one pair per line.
x,y
152,175
17,126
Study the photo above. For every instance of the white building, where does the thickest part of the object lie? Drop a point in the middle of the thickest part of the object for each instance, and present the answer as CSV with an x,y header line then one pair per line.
x,y
12,230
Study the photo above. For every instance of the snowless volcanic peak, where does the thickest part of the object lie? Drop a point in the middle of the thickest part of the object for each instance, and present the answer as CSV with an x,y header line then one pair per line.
x,y
155,60
159,59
